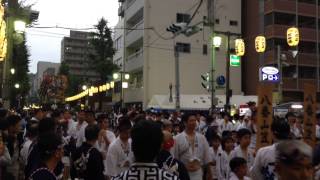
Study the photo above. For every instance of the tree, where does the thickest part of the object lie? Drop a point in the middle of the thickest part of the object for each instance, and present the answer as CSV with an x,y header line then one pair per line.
x,y
64,69
102,55
20,62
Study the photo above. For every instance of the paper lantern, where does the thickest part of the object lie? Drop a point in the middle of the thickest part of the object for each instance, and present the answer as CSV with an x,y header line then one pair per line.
x,y
260,44
293,37
240,47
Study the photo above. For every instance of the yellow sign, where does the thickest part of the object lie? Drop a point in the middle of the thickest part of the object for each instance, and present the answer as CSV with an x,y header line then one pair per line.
x,y
260,44
240,47
293,36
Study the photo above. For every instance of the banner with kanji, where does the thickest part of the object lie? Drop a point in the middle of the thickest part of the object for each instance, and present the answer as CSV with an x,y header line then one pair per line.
x,y
310,108
264,118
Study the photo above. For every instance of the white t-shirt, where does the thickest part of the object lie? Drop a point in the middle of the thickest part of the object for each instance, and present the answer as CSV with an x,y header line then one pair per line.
x,y
24,152
264,163
183,149
225,127
214,156
223,168
117,156
79,135
234,177
237,152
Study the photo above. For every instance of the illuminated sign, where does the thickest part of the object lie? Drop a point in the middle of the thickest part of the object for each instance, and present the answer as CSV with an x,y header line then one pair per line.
x,y
269,74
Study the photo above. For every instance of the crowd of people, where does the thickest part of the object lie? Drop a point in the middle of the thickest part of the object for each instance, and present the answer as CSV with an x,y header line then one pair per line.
x,y
133,144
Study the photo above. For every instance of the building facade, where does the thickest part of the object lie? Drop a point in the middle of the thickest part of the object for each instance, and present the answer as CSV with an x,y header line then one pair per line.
x,y
147,50
272,18
75,51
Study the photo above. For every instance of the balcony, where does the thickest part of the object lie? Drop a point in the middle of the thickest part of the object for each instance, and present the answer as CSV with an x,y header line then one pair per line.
x,y
280,31
303,81
121,11
134,35
134,61
133,7
289,6
289,84
305,59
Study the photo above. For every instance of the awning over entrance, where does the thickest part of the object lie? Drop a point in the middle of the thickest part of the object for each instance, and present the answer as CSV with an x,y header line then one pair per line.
x,y
196,102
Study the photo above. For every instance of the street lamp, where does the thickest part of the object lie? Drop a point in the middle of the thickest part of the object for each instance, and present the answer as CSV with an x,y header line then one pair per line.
x,y
84,87
127,76
12,70
216,41
115,76
19,26
17,85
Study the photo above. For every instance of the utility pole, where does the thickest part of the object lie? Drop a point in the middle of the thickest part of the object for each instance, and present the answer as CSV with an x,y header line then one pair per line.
x,y
177,71
228,73
211,21
280,73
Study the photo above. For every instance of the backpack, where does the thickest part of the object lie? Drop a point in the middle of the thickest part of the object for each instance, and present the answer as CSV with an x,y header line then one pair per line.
x,y
80,164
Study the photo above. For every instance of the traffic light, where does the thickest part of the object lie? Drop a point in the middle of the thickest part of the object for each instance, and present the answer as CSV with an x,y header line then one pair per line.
x,y
177,28
206,81
192,30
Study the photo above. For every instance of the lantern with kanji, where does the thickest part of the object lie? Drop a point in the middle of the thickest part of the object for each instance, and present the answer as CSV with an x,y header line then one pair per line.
x,y
293,36
240,47
260,44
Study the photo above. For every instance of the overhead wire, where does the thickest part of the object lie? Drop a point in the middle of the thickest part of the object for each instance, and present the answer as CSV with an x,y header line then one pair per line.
x,y
195,12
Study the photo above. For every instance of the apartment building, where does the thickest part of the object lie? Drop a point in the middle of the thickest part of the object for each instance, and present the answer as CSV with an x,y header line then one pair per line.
x,y
272,18
75,51
146,50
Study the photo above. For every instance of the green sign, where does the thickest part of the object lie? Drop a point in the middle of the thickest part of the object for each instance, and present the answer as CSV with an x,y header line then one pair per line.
x,y
234,61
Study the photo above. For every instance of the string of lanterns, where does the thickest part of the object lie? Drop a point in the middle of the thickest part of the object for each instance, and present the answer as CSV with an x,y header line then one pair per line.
x,y
293,39
91,91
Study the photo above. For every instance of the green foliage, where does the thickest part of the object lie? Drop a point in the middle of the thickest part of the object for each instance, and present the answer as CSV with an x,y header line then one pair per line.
x,y
74,85
64,69
102,44
20,62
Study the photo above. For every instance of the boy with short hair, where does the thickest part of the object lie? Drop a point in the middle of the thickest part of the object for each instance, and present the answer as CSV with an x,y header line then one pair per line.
x,y
238,168
223,159
243,150
215,149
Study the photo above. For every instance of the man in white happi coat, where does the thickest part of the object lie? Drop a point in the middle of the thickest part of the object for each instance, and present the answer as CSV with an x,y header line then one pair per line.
x,y
119,155
264,163
80,127
192,148
106,137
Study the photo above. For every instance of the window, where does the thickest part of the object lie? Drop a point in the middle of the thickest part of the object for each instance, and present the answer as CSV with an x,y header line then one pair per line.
x,y
217,21
118,43
284,19
205,49
268,19
183,18
184,47
233,23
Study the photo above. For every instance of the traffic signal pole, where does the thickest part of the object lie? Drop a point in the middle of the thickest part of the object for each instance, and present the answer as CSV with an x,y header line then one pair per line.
x,y
211,19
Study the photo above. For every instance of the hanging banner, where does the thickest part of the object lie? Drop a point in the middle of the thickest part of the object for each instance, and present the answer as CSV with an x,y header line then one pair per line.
x,y
310,108
264,118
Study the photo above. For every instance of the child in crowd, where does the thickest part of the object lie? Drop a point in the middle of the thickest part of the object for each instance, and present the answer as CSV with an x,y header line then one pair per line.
x,y
215,150
222,161
243,150
238,168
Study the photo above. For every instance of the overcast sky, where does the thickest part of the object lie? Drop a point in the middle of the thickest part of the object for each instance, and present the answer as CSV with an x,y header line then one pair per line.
x,y
45,44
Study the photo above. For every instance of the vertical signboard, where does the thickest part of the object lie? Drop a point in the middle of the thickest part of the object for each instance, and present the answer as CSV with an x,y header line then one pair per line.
x,y
310,108
264,118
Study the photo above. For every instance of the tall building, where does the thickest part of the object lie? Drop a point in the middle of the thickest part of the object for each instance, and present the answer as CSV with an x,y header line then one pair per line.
x,y
75,51
146,51
272,18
